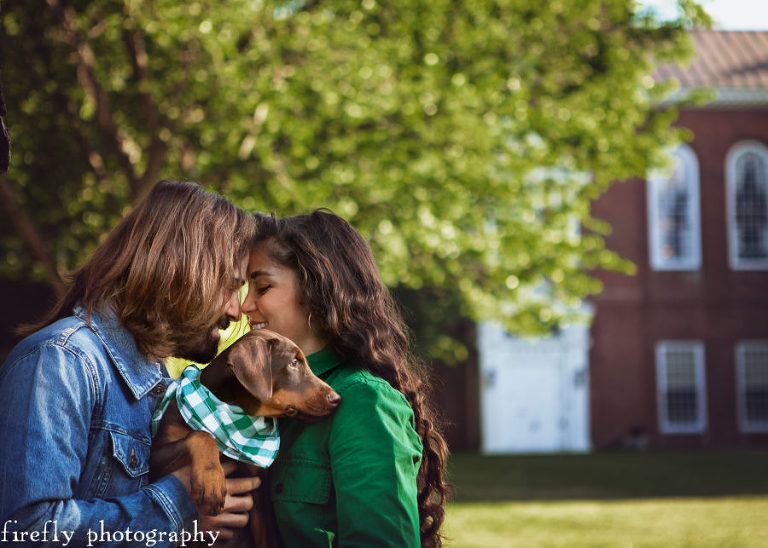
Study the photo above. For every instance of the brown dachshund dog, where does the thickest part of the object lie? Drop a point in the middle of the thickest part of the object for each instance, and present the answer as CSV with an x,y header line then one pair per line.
x,y
266,375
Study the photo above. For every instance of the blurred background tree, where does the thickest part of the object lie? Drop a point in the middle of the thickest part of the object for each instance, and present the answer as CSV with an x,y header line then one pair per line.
x,y
464,139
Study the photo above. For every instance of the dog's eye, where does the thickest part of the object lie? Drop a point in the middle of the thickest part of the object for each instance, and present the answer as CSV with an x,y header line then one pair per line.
x,y
294,362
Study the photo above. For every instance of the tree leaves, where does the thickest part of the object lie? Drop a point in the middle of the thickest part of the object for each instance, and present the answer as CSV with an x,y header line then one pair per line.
x,y
465,140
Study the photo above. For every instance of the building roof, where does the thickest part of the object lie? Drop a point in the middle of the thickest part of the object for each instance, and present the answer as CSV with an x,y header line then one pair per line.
x,y
734,63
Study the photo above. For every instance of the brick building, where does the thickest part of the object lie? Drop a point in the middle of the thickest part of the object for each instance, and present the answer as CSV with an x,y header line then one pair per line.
x,y
679,354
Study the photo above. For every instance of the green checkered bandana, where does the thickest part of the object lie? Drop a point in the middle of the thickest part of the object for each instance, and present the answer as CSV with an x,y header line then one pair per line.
x,y
239,436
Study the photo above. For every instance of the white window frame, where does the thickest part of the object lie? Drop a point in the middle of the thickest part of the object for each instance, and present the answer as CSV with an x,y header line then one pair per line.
x,y
700,424
732,158
682,154
745,426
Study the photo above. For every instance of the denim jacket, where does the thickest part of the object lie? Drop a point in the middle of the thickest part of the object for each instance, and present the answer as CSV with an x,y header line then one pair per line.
x,y
77,401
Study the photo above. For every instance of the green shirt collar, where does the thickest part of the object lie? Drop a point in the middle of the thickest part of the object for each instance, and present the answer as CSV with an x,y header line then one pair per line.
x,y
323,360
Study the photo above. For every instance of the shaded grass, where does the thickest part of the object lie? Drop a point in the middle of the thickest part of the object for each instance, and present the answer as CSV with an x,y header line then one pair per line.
x,y
608,475
712,522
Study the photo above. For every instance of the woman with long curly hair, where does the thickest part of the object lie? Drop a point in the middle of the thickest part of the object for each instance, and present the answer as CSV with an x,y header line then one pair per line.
x,y
371,474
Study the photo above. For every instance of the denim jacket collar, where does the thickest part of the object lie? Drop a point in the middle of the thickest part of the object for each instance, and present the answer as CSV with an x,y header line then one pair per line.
x,y
139,373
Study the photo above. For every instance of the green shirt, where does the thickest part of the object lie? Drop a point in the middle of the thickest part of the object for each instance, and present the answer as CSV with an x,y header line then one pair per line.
x,y
350,478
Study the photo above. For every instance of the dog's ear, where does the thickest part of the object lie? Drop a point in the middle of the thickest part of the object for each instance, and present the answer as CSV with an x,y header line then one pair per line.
x,y
250,361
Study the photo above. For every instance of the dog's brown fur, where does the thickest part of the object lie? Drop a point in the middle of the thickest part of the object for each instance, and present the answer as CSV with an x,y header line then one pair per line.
x,y
266,375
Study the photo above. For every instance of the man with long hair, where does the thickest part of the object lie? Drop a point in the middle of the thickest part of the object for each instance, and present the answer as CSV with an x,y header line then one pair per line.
x,y
79,391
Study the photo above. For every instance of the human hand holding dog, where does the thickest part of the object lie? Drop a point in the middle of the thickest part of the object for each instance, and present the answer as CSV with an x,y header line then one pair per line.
x,y
237,504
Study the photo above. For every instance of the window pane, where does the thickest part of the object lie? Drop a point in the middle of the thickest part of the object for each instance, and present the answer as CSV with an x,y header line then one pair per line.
x,y
751,207
756,402
682,396
682,406
754,365
681,370
674,221
674,231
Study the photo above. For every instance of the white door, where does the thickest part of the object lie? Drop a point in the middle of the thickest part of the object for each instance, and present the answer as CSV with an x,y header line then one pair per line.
x,y
533,393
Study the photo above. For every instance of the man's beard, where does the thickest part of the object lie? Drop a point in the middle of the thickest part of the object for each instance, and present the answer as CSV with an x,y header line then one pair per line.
x,y
202,347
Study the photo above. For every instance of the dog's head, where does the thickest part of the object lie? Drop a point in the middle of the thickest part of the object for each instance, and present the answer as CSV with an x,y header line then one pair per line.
x,y
267,375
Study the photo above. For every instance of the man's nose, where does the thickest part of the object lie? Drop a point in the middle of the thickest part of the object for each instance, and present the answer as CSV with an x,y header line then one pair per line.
x,y
233,309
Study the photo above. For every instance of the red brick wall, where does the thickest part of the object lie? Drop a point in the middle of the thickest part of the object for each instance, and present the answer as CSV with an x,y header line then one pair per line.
x,y
715,304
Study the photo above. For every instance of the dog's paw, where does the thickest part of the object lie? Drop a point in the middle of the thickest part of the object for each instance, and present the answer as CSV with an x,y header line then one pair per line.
x,y
209,488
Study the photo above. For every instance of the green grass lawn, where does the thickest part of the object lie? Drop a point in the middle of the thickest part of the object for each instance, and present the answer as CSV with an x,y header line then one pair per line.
x,y
691,499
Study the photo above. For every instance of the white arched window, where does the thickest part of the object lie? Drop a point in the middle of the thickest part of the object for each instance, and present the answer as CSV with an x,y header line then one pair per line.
x,y
674,221
746,174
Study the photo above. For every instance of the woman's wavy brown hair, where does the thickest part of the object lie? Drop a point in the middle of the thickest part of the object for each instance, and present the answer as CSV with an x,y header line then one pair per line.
x,y
341,287
167,269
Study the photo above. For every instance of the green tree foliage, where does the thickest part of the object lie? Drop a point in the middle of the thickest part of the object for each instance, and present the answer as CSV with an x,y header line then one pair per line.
x,y
464,139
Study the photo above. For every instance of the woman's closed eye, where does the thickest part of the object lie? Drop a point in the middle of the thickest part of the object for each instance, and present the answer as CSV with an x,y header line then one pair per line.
x,y
263,289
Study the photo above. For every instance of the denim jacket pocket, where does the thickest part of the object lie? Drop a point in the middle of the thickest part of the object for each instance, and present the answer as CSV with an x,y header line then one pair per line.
x,y
123,467
302,481
132,454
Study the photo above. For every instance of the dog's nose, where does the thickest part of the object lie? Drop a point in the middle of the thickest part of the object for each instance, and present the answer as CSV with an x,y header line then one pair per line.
x,y
333,398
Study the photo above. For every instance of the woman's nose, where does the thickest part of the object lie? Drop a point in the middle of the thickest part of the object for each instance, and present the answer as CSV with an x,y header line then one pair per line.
x,y
249,304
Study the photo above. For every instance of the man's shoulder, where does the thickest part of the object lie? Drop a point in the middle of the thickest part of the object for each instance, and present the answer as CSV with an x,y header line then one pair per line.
x,y
66,351
68,331
70,334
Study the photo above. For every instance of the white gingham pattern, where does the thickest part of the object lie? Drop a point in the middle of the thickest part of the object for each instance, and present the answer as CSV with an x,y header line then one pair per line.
x,y
242,437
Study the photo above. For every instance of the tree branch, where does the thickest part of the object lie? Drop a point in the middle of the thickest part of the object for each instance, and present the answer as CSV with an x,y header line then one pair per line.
x,y
5,138
157,149
32,238
86,74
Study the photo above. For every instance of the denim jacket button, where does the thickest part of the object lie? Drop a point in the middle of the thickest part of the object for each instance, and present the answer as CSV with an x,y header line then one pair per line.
x,y
159,389
134,461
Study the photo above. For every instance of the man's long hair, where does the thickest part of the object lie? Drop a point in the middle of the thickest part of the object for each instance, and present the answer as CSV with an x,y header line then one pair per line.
x,y
339,283
166,270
